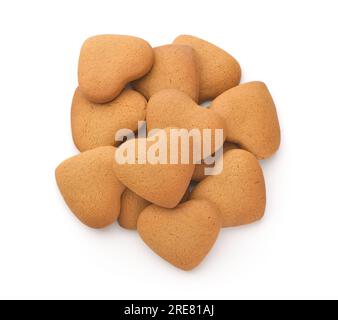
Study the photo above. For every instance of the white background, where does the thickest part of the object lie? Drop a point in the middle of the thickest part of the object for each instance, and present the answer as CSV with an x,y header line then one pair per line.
x,y
46,253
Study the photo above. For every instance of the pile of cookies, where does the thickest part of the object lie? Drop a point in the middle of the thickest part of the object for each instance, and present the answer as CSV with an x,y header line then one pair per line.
x,y
176,208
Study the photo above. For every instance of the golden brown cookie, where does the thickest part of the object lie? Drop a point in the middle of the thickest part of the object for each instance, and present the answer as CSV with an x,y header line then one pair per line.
x,y
199,173
131,207
108,62
95,125
90,188
173,108
174,68
238,192
161,184
251,118
183,236
219,71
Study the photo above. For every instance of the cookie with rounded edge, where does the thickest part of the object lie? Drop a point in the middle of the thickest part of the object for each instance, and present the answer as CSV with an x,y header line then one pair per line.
x,y
182,236
95,125
109,62
174,68
219,71
155,179
90,188
251,118
173,108
238,192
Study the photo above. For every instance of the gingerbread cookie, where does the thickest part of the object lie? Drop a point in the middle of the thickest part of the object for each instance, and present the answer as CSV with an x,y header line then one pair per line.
x,y
251,118
219,71
95,125
238,192
109,62
90,188
174,68
183,236
162,183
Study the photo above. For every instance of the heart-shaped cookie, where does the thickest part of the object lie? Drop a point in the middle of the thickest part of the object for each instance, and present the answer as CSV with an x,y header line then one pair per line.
x,y
95,125
251,118
173,108
183,236
238,192
90,188
219,71
108,62
174,68
160,182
